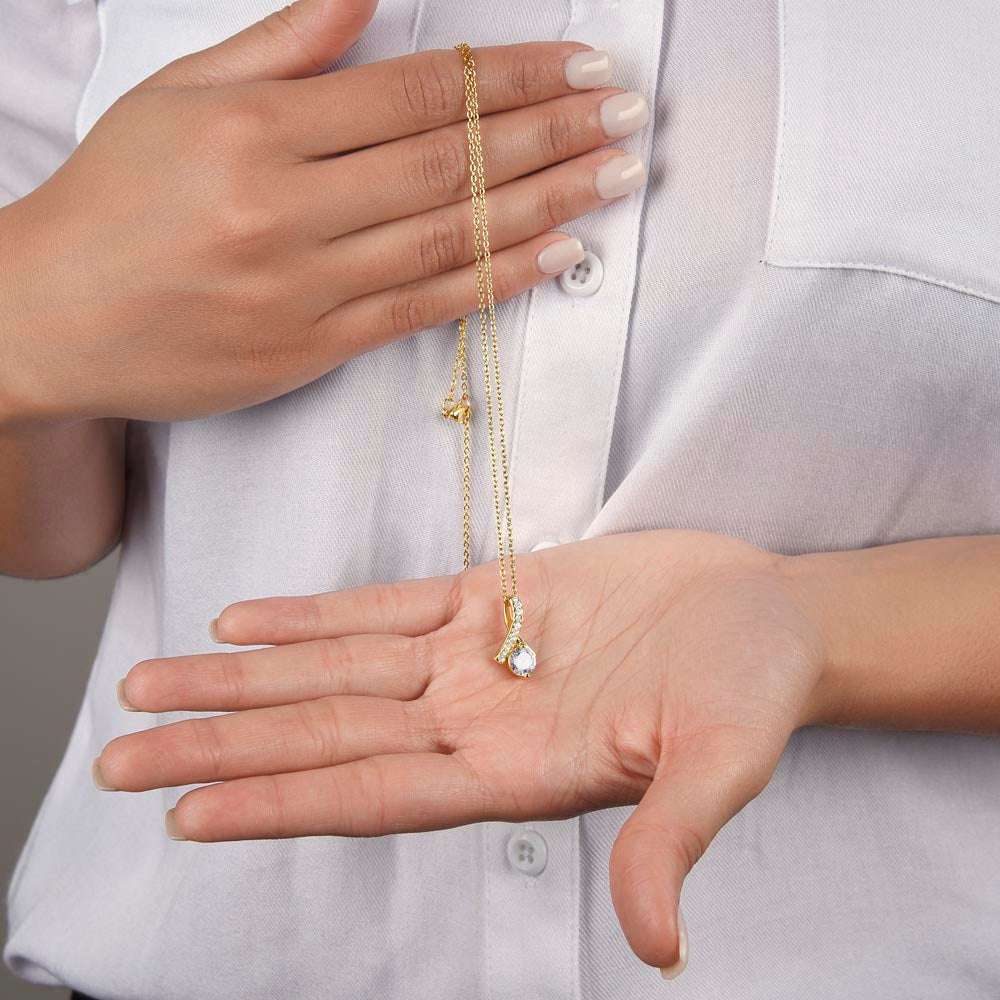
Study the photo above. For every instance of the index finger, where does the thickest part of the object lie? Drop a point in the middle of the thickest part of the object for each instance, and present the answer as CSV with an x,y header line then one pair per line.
x,y
407,607
365,105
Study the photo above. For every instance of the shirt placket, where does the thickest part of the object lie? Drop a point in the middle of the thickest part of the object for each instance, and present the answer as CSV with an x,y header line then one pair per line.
x,y
574,345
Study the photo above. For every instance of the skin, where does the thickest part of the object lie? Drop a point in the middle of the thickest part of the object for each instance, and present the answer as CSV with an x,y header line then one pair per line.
x,y
674,666
210,229
238,225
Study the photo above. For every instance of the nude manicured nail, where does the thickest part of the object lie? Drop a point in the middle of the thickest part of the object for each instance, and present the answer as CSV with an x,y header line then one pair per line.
x,y
559,256
620,176
673,971
172,828
623,114
98,775
588,69
213,630
122,700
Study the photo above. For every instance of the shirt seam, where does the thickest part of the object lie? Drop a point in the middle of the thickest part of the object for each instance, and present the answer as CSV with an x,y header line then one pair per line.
x,y
85,95
778,170
574,823
856,265
625,307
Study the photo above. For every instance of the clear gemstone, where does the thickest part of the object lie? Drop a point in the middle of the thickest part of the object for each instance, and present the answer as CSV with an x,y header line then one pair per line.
x,y
522,661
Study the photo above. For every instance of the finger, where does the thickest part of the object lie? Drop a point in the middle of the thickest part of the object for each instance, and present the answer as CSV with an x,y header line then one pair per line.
x,y
697,789
308,734
406,608
414,93
395,793
423,172
301,39
425,245
376,319
384,666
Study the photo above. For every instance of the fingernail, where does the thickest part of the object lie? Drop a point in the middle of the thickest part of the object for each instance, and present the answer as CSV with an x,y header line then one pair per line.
x,y
623,114
673,971
122,700
619,176
559,256
98,775
587,69
213,630
172,828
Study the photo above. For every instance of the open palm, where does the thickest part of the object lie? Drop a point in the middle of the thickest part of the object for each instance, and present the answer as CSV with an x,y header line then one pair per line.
x,y
672,668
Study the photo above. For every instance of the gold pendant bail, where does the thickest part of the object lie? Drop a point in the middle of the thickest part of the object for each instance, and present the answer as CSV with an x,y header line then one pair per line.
x,y
460,411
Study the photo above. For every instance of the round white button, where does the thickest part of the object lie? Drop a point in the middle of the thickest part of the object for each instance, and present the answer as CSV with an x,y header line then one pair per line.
x,y
583,278
528,852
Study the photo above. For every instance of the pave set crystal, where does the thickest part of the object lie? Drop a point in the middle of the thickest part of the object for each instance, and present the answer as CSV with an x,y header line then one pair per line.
x,y
515,652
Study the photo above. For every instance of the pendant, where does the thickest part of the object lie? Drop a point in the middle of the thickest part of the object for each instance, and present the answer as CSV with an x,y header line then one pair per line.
x,y
515,652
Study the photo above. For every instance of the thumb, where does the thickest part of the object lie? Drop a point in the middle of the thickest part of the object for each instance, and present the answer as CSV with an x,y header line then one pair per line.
x,y
301,39
698,787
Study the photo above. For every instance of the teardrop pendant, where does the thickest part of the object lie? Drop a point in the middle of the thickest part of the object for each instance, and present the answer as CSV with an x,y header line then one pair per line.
x,y
522,660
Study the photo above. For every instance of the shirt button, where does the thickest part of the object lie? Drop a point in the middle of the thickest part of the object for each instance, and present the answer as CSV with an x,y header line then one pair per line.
x,y
584,278
528,852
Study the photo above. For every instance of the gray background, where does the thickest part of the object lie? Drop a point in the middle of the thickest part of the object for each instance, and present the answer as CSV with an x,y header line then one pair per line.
x,y
50,631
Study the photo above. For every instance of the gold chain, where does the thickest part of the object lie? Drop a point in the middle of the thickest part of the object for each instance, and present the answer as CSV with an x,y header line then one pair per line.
x,y
457,405
461,409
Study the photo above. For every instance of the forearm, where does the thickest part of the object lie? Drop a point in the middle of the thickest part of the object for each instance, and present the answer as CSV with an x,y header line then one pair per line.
x,y
62,493
62,481
910,633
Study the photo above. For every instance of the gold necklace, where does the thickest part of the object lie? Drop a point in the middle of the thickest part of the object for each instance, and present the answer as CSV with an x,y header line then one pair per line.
x,y
457,406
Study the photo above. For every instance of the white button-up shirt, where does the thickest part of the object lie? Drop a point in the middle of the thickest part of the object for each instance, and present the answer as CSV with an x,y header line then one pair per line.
x,y
794,338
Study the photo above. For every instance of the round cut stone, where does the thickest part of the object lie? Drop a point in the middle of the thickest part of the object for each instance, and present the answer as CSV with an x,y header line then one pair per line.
x,y
522,661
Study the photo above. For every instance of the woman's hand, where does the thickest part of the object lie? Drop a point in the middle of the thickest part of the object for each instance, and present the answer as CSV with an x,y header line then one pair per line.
x,y
240,223
673,666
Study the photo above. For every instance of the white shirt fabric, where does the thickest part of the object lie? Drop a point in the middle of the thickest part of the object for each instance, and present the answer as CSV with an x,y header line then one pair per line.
x,y
797,341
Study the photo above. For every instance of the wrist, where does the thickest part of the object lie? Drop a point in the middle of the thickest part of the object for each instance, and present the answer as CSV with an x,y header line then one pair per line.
x,y
814,582
31,389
